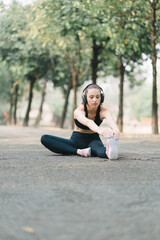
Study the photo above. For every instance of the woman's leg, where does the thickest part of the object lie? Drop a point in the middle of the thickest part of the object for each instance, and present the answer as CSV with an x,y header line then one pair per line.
x,y
98,149
59,145
111,151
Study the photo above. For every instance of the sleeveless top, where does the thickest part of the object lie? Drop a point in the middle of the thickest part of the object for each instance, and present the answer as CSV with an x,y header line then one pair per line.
x,y
97,120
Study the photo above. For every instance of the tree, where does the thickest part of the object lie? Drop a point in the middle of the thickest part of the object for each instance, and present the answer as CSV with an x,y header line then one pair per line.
x,y
154,8
12,23
36,65
65,43
93,28
126,40
43,93
5,84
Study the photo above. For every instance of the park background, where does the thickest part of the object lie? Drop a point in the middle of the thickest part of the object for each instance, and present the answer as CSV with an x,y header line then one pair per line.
x,y
50,50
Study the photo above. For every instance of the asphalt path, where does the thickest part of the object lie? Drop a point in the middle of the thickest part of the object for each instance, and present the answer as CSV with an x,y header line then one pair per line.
x,y
45,196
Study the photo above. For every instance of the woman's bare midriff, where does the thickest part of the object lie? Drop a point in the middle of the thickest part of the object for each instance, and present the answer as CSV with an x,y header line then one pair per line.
x,y
77,129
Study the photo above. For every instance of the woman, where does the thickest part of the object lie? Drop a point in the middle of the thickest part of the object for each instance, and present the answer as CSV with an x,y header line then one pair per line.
x,y
85,140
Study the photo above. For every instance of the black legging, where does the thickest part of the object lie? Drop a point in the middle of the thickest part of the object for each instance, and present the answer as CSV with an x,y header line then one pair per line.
x,y
77,141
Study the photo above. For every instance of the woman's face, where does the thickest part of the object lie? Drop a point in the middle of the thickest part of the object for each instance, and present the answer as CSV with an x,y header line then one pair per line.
x,y
93,97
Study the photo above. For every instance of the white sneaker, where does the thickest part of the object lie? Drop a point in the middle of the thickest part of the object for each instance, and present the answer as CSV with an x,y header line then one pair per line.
x,y
112,148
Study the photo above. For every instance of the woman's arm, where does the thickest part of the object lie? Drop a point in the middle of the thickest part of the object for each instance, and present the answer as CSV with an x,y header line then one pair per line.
x,y
79,114
106,114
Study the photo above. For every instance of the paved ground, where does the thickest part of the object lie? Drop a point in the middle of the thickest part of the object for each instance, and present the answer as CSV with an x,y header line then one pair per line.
x,y
44,196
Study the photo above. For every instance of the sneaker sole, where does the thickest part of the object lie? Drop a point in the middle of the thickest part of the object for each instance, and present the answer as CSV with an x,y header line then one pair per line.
x,y
89,152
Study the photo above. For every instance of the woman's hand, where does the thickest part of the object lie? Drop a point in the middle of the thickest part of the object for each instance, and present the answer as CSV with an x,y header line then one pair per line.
x,y
108,133
116,133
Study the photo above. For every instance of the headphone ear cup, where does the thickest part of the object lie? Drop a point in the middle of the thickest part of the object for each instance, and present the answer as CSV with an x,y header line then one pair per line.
x,y
102,97
84,98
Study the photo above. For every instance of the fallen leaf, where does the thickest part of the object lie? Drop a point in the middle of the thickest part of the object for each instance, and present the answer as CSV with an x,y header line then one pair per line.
x,y
28,230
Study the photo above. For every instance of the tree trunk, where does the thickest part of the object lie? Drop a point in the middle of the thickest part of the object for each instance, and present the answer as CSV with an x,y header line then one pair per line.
x,y
66,104
154,67
15,104
9,119
94,61
121,70
74,84
36,124
26,119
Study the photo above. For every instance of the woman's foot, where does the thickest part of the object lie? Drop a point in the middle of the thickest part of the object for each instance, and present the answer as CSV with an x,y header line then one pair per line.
x,y
112,148
86,152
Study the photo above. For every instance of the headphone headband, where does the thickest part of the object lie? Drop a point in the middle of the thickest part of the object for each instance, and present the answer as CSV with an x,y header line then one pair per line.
x,y
92,84
84,97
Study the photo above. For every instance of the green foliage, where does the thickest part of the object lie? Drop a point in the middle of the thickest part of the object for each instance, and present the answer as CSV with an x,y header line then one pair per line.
x,y
58,26
58,35
5,83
